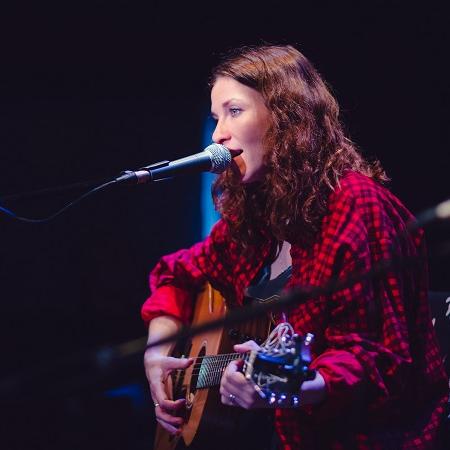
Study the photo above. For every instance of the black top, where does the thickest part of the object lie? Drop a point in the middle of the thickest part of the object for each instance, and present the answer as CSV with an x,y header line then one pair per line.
x,y
264,289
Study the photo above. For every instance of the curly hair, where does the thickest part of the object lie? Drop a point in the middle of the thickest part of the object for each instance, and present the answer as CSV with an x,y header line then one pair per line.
x,y
306,150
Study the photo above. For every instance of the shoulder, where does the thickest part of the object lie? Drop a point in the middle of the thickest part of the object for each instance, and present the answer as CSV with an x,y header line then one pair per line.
x,y
354,185
221,241
218,241
371,202
220,230
367,193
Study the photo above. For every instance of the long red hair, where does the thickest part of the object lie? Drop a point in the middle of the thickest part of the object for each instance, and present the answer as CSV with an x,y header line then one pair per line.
x,y
306,153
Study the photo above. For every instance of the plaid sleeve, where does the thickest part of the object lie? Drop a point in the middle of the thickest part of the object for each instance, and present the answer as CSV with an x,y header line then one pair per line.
x,y
177,278
369,350
375,345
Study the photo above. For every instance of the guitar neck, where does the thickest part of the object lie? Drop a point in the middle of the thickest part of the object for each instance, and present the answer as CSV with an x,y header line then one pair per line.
x,y
209,369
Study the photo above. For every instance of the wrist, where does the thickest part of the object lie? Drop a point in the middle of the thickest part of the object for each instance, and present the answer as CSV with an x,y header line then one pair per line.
x,y
313,392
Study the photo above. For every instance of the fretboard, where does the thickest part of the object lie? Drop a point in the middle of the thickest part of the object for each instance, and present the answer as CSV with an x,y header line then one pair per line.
x,y
210,368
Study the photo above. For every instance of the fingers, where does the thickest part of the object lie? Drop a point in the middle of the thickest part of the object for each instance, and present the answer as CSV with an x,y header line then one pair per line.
x,y
172,405
172,428
158,369
167,411
165,415
171,363
246,347
229,399
235,389
164,407
168,427
158,392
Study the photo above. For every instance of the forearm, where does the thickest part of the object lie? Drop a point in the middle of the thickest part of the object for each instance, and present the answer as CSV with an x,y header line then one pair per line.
x,y
343,383
159,328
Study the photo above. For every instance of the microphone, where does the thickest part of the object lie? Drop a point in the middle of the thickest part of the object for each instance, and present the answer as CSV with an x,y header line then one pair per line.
x,y
215,158
438,212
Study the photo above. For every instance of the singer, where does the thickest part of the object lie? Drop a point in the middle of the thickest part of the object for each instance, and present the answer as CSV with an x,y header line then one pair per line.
x,y
300,205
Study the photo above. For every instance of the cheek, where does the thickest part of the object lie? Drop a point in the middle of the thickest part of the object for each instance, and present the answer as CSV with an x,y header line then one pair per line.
x,y
255,132
255,136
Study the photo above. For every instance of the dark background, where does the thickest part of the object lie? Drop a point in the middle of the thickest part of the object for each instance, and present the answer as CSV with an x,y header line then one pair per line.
x,y
89,89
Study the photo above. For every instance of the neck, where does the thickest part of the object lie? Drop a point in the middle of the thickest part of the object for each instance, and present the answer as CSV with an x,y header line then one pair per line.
x,y
282,261
208,371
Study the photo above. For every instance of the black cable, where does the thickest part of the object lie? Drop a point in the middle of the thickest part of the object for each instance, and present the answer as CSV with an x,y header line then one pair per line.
x,y
51,190
65,208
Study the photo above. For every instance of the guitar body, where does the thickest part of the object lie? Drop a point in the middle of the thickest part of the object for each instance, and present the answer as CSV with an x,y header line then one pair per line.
x,y
209,423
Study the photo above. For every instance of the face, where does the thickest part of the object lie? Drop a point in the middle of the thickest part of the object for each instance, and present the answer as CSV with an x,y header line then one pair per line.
x,y
242,121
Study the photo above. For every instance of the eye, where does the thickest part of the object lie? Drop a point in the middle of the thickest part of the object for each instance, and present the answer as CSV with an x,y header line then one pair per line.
x,y
235,111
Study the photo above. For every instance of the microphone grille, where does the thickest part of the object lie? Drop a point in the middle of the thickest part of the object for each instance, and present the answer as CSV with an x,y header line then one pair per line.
x,y
220,157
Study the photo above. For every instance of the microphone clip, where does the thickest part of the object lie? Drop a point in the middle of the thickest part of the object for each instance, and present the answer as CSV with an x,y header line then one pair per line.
x,y
141,176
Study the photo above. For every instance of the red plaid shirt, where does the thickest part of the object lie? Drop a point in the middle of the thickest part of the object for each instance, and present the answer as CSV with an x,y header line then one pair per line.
x,y
375,345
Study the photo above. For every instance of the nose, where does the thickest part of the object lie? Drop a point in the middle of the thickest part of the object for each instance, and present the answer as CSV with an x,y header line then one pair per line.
x,y
221,133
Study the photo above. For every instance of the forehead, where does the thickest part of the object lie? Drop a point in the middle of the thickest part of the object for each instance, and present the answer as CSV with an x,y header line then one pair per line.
x,y
226,89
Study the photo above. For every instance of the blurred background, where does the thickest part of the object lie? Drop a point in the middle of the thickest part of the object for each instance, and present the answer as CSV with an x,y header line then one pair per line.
x,y
90,89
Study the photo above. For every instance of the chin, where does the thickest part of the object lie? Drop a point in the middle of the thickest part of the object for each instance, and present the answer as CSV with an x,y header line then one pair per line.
x,y
252,177
248,179
252,180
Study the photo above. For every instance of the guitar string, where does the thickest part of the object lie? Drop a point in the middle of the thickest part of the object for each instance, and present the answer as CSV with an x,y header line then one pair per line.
x,y
214,360
217,359
212,380
200,366
216,356
224,359
208,372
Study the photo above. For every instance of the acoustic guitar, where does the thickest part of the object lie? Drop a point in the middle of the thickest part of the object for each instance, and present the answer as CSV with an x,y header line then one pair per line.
x,y
208,423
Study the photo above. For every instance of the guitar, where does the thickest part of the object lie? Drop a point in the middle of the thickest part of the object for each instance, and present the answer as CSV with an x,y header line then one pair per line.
x,y
275,371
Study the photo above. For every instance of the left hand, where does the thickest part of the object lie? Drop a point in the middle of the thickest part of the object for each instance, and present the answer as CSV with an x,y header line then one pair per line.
x,y
235,389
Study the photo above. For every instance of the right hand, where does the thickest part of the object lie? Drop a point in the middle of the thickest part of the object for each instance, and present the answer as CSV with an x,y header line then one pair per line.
x,y
157,370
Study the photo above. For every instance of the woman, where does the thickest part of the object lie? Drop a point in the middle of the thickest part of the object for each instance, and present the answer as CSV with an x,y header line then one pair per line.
x,y
300,196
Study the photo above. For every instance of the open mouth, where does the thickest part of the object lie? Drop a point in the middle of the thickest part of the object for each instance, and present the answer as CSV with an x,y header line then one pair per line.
x,y
235,153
